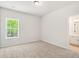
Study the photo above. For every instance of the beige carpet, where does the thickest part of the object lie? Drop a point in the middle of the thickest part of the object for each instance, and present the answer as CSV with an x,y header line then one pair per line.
x,y
38,49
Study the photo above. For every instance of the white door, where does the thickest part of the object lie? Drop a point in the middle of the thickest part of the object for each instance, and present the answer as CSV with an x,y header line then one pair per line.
x,y
74,26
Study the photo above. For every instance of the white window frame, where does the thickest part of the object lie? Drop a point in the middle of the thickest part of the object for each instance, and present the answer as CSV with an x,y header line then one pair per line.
x,y
7,28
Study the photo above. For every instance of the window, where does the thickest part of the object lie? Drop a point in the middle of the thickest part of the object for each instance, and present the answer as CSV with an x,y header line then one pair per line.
x,y
12,28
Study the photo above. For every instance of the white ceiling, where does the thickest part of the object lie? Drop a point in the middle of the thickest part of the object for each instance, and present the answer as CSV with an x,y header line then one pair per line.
x,y
29,7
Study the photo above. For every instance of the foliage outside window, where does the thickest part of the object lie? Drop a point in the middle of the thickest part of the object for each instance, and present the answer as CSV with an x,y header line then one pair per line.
x,y
12,27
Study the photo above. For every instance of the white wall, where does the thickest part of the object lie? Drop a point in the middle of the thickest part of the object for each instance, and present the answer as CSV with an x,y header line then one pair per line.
x,y
29,27
55,25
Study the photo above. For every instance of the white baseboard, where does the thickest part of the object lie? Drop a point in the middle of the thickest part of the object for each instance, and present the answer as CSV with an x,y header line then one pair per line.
x,y
55,44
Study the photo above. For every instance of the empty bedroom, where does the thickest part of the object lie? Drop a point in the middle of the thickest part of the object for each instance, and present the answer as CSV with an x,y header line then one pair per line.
x,y
39,29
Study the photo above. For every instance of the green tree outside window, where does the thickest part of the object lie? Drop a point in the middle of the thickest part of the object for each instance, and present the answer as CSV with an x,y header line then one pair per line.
x,y
12,27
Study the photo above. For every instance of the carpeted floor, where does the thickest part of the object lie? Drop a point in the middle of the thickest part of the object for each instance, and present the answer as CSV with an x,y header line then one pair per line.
x,y
38,49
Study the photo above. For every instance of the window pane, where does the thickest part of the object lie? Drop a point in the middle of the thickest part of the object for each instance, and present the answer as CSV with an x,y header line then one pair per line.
x,y
8,32
12,24
12,27
12,32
